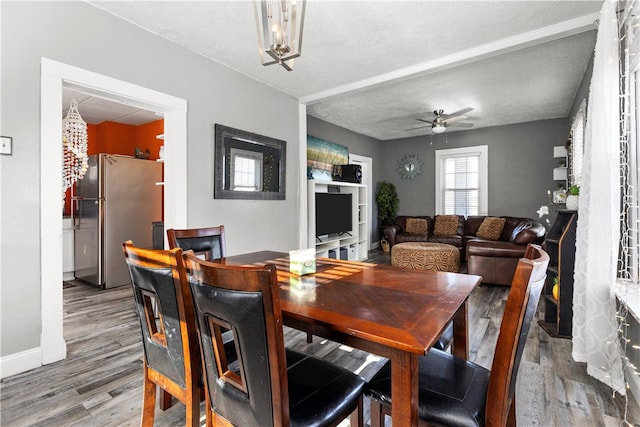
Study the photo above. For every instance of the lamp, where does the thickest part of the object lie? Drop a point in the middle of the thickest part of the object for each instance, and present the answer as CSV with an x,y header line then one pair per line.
x,y
74,147
438,128
279,31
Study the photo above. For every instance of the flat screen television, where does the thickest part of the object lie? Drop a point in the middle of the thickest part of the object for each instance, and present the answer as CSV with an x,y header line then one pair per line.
x,y
333,213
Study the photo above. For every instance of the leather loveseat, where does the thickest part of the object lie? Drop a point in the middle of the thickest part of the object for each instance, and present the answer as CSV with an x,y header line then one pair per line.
x,y
493,257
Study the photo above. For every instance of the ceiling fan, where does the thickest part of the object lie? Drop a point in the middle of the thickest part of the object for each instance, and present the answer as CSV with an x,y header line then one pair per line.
x,y
441,121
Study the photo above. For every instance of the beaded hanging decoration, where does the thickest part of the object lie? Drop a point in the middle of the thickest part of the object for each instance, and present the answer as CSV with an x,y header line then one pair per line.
x,y
74,148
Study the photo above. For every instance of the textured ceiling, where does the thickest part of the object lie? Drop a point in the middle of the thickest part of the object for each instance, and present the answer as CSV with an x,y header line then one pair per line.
x,y
375,67
95,110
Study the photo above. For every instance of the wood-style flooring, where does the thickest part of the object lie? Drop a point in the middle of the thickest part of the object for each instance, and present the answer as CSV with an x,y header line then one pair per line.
x,y
100,382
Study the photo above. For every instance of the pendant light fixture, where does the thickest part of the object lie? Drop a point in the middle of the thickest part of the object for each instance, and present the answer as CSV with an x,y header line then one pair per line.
x,y
280,24
74,148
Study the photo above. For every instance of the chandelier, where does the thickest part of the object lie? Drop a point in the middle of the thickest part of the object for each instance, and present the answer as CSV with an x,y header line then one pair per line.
x,y
280,25
74,148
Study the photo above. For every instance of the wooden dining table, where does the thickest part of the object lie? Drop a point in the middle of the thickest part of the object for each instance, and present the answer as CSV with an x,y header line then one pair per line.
x,y
390,311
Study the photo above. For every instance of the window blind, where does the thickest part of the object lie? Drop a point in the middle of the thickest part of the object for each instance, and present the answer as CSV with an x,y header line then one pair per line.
x,y
577,146
461,190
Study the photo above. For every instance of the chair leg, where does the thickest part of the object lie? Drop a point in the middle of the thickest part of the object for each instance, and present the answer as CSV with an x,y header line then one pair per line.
x,y
165,399
511,417
148,400
207,408
356,418
377,415
193,406
309,338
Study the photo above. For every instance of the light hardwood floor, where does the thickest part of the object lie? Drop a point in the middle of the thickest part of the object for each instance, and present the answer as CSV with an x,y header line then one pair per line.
x,y
100,383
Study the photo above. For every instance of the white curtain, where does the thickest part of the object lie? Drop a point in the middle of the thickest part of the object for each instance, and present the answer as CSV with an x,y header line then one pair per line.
x,y
598,233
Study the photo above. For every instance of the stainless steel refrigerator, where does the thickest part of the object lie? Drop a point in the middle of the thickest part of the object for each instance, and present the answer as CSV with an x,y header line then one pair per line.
x,y
117,200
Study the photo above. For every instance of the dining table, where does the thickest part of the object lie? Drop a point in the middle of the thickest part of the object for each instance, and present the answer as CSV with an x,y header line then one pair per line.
x,y
393,312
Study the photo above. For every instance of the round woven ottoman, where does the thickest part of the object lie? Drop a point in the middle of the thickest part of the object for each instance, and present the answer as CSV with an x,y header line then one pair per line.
x,y
426,256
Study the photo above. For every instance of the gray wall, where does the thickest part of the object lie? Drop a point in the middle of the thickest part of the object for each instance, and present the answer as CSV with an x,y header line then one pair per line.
x,y
520,163
583,90
520,166
81,35
355,142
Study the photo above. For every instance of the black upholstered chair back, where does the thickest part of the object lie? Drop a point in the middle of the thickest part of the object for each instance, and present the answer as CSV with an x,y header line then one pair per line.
x,y
154,286
169,335
252,391
520,310
206,242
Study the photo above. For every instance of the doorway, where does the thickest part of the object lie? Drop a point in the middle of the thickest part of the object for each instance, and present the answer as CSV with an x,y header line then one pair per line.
x,y
54,77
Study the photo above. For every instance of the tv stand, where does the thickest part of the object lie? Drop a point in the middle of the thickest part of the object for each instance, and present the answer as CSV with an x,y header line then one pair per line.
x,y
350,245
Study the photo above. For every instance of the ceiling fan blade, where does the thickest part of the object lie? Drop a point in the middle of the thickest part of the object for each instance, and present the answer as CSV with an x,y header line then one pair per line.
x,y
425,121
456,118
460,124
419,127
457,113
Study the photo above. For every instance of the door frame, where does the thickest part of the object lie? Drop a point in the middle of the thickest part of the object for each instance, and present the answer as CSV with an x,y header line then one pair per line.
x,y
54,76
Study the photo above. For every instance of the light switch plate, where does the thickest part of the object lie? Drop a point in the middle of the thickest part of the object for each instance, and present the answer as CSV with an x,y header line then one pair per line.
x,y
6,145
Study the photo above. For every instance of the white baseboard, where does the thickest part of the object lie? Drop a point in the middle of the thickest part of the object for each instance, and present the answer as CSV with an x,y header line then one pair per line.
x,y
23,361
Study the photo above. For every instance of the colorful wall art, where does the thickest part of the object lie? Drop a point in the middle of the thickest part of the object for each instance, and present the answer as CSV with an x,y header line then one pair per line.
x,y
322,155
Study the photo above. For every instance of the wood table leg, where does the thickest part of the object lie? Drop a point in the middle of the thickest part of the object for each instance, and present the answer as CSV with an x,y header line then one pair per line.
x,y
460,345
404,388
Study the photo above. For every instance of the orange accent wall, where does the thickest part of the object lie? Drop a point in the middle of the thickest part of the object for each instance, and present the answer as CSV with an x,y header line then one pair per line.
x,y
92,139
146,137
118,138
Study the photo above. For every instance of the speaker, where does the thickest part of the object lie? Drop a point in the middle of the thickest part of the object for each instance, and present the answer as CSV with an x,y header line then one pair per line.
x,y
347,173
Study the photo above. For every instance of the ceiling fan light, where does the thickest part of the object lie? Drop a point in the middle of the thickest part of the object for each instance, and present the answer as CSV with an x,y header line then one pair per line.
x,y
438,128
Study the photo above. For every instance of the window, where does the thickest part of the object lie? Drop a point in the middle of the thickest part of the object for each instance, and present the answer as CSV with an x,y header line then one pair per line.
x,y
629,249
630,214
462,181
246,170
577,145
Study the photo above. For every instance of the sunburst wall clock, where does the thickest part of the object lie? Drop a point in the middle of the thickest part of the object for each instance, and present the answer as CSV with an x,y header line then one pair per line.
x,y
409,166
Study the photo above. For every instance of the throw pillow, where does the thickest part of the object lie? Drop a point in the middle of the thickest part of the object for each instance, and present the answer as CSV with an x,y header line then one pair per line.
x,y
491,228
416,226
445,225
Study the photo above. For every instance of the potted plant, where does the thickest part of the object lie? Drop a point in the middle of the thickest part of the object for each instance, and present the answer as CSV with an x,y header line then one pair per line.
x,y
387,200
572,197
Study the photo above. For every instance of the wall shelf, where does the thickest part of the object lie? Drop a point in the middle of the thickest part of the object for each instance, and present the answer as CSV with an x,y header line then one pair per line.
x,y
161,160
560,172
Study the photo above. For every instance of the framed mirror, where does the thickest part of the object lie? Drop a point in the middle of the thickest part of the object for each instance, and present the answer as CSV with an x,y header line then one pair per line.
x,y
248,165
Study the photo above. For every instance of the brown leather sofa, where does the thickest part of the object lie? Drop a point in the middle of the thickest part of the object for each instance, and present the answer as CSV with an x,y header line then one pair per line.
x,y
494,260
397,233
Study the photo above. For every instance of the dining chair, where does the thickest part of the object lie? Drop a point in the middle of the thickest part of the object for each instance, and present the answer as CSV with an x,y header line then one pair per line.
x,y
456,392
209,243
169,334
206,242
268,385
